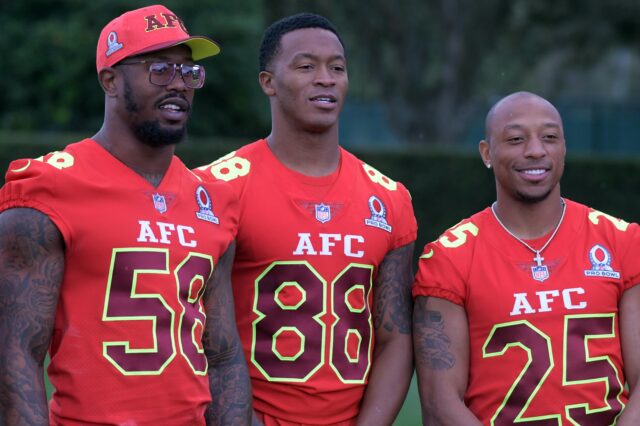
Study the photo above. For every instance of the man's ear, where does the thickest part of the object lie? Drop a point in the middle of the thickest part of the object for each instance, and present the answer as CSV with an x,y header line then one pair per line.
x,y
265,78
108,81
485,154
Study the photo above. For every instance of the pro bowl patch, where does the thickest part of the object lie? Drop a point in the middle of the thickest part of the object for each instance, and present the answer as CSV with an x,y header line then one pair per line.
x,y
600,259
112,44
205,211
378,217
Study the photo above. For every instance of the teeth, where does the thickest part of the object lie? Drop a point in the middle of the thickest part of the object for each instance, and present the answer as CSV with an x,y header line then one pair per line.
x,y
534,172
323,99
171,106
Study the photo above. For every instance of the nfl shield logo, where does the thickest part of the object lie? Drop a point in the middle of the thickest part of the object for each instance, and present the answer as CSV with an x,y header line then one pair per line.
x,y
539,273
323,213
159,203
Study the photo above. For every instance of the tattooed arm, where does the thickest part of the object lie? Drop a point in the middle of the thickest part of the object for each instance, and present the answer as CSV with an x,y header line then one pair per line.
x,y
441,344
31,267
392,364
228,374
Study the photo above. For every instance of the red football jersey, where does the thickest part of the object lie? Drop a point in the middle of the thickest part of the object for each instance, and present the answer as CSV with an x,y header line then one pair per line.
x,y
308,251
544,341
126,347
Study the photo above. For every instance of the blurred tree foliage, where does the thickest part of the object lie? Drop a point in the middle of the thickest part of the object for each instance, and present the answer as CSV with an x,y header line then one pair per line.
x,y
438,63
432,64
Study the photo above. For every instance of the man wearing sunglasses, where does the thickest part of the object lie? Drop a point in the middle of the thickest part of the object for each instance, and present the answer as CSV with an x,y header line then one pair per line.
x,y
116,259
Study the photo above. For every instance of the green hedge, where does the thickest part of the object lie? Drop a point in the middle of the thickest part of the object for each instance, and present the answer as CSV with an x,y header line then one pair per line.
x,y
446,187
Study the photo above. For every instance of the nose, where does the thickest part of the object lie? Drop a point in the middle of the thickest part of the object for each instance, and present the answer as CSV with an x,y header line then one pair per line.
x,y
535,148
324,77
177,83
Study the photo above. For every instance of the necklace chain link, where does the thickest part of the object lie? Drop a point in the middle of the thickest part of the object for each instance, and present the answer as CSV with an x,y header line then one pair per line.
x,y
538,258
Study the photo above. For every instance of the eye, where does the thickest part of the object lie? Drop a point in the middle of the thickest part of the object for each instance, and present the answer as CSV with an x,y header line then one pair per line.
x,y
193,71
159,67
515,139
339,68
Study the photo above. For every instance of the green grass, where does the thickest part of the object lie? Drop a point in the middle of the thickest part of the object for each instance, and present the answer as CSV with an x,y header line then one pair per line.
x,y
410,413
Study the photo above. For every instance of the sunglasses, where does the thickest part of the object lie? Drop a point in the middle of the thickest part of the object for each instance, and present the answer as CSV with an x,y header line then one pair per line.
x,y
163,73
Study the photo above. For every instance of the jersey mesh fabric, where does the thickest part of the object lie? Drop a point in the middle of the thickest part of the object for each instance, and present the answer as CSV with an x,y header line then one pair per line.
x,y
303,278
122,350
539,349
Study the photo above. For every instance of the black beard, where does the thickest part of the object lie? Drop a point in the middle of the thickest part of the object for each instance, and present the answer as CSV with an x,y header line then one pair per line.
x,y
150,132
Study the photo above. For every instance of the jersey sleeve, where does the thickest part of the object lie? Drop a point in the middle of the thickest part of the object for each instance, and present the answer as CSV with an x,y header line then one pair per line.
x,y
624,239
226,202
34,183
631,259
438,276
228,168
406,225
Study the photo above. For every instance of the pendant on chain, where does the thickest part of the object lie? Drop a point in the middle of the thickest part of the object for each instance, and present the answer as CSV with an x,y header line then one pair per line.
x,y
539,272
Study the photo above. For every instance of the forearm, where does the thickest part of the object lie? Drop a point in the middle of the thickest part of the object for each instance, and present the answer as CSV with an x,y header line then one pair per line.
x,y
25,330
443,409
230,390
255,420
440,336
23,399
388,383
392,364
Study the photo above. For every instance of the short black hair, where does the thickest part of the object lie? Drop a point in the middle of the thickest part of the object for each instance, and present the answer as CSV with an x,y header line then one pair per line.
x,y
272,36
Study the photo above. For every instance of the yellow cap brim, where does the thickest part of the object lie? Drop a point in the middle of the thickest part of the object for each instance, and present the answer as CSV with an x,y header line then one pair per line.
x,y
202,47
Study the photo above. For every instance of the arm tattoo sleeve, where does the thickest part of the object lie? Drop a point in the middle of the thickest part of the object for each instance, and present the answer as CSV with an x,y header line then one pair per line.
x,y
431,342
392,292
31,268
228,375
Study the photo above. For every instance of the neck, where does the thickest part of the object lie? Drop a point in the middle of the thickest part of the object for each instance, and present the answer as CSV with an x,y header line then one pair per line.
x,y
530,221
311,154
149,162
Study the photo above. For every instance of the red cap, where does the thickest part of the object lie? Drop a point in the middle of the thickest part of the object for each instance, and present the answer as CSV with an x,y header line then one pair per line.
x,y
145,30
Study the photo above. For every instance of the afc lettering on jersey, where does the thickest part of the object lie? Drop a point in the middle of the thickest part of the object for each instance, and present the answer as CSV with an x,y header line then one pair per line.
x,y
543,301
326,244
164,233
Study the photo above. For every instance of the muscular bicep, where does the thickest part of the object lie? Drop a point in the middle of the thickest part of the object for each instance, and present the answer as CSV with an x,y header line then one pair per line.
x,y
441,345
31,268
392,293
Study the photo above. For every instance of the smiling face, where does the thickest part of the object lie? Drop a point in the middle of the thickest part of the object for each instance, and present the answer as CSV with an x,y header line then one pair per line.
x,y
157,115
307,80
525,146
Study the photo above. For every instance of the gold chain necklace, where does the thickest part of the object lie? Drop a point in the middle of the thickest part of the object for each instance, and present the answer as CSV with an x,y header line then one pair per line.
x,y
539,272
